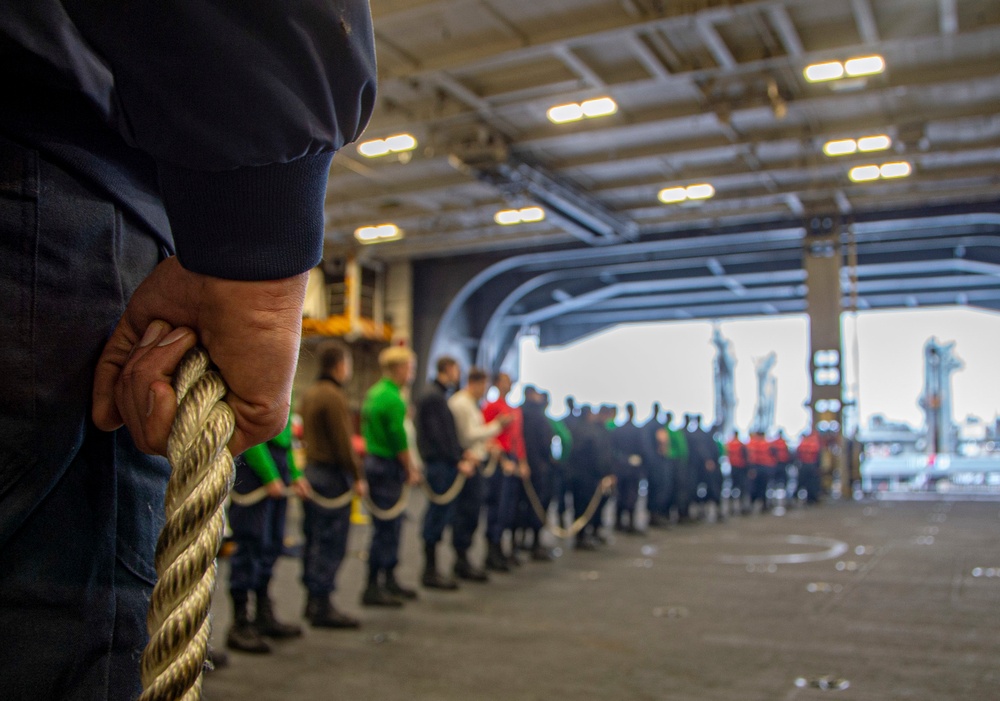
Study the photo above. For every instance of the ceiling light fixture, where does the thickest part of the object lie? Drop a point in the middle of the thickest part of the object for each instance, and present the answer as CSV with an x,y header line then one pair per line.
x,y
864,65
866,144
573,112
676,195
525,215
840,147
378,234
880,142
391,144
895,170
851,68
818,72
863,174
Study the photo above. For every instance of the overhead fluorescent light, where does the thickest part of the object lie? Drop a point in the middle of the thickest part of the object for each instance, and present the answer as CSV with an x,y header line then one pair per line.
x,y
525,215
392,144
851,68
378,234
600,107
401,142
840,147
818,72
532,214
864,65
560,114
895,170
862,174
672,194
572,112
866,144
507,217
702,191
879,142
373,149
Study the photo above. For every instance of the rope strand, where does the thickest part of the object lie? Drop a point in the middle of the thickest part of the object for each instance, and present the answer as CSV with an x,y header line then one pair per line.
x,y
200,480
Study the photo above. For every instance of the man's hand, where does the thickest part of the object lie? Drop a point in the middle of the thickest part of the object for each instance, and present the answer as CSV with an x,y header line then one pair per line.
x,y
466,467
361,488
251,331
275,489
414,477
508,466
301,488
523,471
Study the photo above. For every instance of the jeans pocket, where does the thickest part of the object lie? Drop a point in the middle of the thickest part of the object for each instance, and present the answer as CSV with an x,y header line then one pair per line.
x,y
141,483
18,247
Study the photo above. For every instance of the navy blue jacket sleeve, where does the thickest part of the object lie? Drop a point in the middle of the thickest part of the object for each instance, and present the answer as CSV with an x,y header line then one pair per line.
x,y
241,103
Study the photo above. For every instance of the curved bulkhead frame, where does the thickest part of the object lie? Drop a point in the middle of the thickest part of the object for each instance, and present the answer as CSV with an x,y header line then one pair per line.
x,y
564,295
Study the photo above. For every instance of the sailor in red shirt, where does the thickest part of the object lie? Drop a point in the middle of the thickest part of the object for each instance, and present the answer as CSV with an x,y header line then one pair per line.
x,y
782,459
807,456
503,487
739,473
761,461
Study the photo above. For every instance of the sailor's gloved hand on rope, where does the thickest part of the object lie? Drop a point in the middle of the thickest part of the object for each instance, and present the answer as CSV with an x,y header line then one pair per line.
x,y
251,331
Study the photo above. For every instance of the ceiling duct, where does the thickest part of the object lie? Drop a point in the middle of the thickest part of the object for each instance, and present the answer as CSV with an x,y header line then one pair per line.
x,y
487,157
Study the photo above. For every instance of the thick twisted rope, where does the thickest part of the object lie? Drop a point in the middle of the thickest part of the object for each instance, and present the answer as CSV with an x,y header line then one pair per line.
x,y
581,520
342,500
258,495
201,477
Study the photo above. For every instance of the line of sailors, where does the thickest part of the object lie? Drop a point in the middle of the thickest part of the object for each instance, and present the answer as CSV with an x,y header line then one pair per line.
x,y
500,450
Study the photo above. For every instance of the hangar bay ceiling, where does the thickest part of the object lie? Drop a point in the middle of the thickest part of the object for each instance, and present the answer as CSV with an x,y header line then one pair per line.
x,y
691,195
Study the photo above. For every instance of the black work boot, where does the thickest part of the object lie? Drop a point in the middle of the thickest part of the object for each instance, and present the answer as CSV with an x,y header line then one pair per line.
x,y
377,595
465,570
270,626
431,578
397,589
495,559
321,614
243,635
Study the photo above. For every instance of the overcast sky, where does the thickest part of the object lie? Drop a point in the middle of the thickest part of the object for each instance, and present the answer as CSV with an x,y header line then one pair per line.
x,y
672,363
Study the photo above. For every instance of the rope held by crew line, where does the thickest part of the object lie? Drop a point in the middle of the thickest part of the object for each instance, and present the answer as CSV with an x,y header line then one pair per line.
x,y
342,500
260,494
201,477
578,524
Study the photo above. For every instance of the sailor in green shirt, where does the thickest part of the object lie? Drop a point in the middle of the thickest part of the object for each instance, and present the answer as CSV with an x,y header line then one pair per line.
x,y
259,534
387,466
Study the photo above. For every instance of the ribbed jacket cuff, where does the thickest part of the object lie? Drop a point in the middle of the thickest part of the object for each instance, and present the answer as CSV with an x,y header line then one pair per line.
x,y
251,223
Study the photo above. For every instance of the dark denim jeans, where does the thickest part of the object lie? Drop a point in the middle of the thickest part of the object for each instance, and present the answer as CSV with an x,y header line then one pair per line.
x,y
468,506
440,476
258,529
326,530
385,485
80,509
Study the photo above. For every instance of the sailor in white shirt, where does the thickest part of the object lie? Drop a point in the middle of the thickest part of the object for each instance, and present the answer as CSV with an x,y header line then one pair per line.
x,y
474,435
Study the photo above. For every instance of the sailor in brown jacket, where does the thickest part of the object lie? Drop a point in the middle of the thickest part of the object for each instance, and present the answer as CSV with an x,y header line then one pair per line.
x,y
332,468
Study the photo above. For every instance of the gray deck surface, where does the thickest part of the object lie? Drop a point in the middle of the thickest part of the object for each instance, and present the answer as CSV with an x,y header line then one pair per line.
x,y
899,599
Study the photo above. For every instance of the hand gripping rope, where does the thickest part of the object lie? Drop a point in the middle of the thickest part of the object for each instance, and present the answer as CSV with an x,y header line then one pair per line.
x,y
200,480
